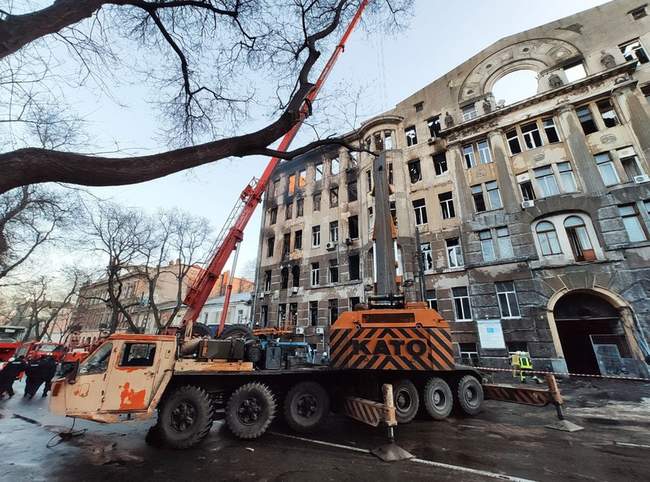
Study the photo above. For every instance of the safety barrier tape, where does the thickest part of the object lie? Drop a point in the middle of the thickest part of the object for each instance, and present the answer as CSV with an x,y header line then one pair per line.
x,y
541,372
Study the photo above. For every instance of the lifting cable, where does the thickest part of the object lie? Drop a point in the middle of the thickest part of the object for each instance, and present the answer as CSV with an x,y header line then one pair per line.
x,y
65,436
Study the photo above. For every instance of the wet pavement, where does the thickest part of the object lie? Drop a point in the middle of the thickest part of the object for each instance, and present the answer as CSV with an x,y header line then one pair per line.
x,y
506,439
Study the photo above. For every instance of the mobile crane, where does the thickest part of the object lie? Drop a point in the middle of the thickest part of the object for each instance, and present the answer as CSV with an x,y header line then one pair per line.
x,y
395,349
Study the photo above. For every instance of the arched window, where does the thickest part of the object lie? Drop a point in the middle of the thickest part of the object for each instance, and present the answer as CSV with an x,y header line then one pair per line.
x,y
548,238
576,231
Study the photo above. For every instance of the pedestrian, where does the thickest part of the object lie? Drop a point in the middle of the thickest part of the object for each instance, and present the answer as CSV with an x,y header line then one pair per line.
x,y
9,374
48,367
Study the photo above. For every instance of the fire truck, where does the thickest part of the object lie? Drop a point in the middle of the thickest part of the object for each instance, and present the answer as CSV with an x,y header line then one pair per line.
x,y
10,339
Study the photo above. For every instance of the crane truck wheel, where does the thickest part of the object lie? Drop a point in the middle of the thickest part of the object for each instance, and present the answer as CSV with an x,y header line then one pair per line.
x,y
407,400
306,406
469,395
236,331
250,410
185,417
438,399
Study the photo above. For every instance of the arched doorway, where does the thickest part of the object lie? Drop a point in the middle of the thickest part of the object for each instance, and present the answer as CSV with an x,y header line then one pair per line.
x,y
591,334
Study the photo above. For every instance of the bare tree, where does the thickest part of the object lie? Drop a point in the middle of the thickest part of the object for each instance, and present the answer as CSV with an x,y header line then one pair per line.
x,y
31,217
177,236
120,235
209,60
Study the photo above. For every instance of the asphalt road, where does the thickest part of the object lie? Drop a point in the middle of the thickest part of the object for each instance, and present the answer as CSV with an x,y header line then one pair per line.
x,y
510,440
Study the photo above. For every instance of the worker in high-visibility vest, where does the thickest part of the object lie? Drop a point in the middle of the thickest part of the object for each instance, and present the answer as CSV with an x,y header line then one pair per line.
x,y
520,362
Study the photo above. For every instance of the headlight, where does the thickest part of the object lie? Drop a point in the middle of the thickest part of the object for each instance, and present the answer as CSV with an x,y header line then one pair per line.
x,y
11,359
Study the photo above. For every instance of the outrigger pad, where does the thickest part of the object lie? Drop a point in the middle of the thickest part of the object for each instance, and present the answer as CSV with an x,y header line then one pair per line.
x,y
391,453
565,426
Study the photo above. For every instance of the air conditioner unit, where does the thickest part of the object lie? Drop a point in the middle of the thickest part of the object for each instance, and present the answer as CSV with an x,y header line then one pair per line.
x,y
261,295
330,246
294,290
642,178
300,330
528,204
320,330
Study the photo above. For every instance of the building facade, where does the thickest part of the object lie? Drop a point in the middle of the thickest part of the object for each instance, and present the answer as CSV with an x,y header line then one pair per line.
x,y
526,225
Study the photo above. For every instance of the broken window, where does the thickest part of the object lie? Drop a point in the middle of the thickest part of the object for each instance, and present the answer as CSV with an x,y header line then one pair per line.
x,y
607,112
479,200
415,172
419,107
315,274
302,178
390,173
333,310
334,197
645,90
267,280
411,136
273,215
270,244
353,157
447,205
333,271
317,197
547,237
427,256
576,231
507,296
367,142
334,232
284,278
432,299
575,71
282,313
487,245
286,244
586,120
293,313
368,180
532,136
433,124
513,141
440,163
353,227
629,162
291,186
388,140
315,236
469,112
392,207
454,253
527,191
550,130
379,141
546,181
633,227
567,180
371,219
300,207
352,191
633,50
353,266
297,240
470,158
638,13
462,306
494,195
288,208
335,166
313,313
420,208
607,169
319,172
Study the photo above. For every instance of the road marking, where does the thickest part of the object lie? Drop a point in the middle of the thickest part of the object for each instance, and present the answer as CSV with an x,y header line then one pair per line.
x,y
457,468
626,444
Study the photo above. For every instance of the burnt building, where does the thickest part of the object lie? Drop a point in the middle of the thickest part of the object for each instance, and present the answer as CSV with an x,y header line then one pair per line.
x,y
525,224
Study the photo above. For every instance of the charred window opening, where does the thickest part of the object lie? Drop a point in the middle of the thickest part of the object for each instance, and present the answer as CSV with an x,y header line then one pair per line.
x,y
316,199
270,244
297,240
433,124
415,172
267,280
333,271
334,197
633,50
352,191
284,278
353,227
440,164
411,136
313,313
286,244
586,120
295,276
273,215
300,207
353,266
447,205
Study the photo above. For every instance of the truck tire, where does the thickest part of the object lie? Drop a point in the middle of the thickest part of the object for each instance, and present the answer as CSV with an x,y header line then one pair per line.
x,y
306,406
199,330
250,410
407,400
438,399
185,417
469,395
236,331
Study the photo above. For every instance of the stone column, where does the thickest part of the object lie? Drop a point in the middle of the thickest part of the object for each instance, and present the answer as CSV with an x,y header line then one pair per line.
x,y
462,195
639,120
504,176
576,144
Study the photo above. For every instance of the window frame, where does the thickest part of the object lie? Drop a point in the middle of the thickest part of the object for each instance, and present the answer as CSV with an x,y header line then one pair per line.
x,y
533,136
315,236
442,162
420,211
637,218
547,239
462,303
455,258
314,275
414,166
447,208
411,135
511,299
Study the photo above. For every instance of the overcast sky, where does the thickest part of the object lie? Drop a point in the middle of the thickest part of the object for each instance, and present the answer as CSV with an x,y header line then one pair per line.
x,y
441,35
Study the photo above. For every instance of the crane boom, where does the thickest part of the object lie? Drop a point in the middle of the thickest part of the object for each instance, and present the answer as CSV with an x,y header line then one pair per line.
x,y
233,231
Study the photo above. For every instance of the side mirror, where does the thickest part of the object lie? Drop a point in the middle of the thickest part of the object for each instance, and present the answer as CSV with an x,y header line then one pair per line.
x,y
69,371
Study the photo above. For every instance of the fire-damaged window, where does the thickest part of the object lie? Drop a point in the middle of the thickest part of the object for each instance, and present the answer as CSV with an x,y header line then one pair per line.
x,y
440,163
333,310
433,123
353,227
302,178
264,315
411,136
138,355
300,207
270,244
353,266
454,253
313,313
333,274
586,119
469,354
295,276
335,166
379,141
415,172
427,256
633,50
334,197
462,305
286,244
352,191
513,141
319,172
297,240
291,185
267,280
284,278
288,209
273,215
316,198
607,113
